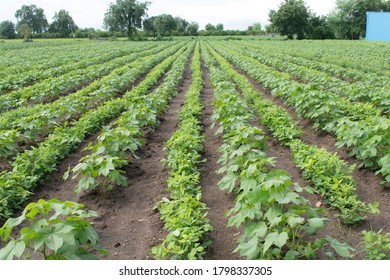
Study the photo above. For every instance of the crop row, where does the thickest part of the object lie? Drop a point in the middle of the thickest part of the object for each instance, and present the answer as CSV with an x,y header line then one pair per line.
x,y
356,91
124,136
28,125
184,214
31,166
36,62
329,174
347,74
356,125
17,81
53,87
369,57
275,216
16,60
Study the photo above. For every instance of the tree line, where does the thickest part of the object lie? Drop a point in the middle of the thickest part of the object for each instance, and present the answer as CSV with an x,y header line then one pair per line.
x,y
293,18
347,21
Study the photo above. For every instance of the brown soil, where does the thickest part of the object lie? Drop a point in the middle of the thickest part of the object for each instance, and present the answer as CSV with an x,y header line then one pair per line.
x,y
6,164
223,238
129,226
368,184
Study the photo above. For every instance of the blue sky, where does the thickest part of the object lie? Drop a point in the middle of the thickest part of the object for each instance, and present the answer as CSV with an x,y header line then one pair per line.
x,y
233,14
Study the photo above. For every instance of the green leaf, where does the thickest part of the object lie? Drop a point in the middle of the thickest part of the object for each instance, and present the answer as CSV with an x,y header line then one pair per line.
x,y
5,231
309,253
290,197
281,240
258,229
294,221
249,249
269,241
66,174
228,182
317,223
342,249
247,184
272,214
258,196
291,255
13,248
54,236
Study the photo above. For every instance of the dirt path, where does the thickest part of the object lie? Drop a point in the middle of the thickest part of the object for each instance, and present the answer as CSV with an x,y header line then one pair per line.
x,y
128,224
368,184
132,227
223,238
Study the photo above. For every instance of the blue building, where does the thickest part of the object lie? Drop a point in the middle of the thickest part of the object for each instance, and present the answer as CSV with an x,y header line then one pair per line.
x,y
378,26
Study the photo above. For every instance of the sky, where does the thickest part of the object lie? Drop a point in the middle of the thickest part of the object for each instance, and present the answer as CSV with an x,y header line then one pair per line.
x,y
233,14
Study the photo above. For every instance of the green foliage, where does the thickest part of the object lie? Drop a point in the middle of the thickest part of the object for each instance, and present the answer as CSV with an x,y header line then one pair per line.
x,y
165,24
193,28
117,143
319,28
181,25
291,18
255,29
333,178
63,24
31,166
149,26
25,31
376,245
125,15
8,142
57,230
7,30
369,141
328,173
349,17
326,109
276,217
219,27
33,16
210,27
184,214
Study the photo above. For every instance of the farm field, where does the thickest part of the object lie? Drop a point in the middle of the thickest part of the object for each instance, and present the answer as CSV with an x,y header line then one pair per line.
x,y
212,148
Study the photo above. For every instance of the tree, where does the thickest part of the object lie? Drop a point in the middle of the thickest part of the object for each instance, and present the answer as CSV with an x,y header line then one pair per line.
x,y
219,27
25,31
349,18
193,28
7,30
62,24
164,24
209,27
149,26
33,16
125,15
270,29
319,28
181,25
291,18
255,29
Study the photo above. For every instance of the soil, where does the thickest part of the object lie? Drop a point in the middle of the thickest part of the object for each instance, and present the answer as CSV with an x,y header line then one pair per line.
x,y
5,164
129,225
368,184
223,238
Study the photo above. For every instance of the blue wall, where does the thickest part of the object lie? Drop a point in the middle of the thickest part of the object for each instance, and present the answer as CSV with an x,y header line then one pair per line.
x,y
378,26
